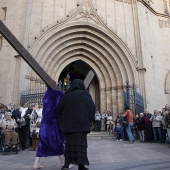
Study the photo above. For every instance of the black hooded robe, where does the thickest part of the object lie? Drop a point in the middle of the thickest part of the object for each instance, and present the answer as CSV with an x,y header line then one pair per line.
x,y
76,113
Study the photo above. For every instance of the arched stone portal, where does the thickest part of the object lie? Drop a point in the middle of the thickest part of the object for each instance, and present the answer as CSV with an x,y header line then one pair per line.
x,y
108,56
79,69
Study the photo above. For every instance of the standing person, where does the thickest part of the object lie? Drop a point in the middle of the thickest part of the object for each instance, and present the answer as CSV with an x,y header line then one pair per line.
x,y
104,117
135,126
167,123
141,127
148,126
102,122
122,127
51,139
109,122
156,125
119,120
12,109
35,122
76,113
118,131
128,115
97,121
164,128
22,117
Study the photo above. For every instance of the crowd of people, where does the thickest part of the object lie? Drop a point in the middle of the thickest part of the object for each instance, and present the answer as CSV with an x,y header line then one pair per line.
x,y
59,129
145,127
23,123
46,129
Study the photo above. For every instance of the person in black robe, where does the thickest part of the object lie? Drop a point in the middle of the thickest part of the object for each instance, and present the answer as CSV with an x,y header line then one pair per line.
x,y
76,113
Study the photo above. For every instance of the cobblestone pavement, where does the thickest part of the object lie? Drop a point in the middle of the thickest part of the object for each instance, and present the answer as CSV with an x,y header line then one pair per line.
x,y
103,154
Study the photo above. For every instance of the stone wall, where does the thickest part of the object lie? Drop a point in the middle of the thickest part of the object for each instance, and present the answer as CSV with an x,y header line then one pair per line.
x,y
140,29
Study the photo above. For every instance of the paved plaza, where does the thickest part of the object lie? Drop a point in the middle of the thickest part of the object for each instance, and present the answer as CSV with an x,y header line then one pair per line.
x,y
104,154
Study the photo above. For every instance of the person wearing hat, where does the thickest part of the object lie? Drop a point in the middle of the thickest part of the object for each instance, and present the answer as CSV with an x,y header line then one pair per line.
x,y
8,130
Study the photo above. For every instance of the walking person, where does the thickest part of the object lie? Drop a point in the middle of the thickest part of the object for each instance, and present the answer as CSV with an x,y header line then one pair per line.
x,y
128,115
51,139
76,113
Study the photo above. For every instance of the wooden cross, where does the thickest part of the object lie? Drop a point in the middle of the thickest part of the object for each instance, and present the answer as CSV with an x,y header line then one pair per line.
x,y
6,33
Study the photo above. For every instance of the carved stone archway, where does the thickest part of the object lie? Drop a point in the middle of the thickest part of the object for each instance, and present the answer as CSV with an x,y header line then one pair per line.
x,y
84,36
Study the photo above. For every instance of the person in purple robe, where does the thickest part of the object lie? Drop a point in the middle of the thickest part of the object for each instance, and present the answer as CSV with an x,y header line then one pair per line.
x,y
51,138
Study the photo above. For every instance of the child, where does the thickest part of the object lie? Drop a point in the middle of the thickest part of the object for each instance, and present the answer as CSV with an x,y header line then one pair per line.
x,y
118,131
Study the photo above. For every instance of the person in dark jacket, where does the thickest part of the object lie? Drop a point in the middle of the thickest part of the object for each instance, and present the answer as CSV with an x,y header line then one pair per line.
x,y
167,124
140,122
22,118
76,113
148,126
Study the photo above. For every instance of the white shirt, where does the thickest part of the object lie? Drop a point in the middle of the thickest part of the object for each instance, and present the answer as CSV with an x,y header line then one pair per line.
x,y
23,111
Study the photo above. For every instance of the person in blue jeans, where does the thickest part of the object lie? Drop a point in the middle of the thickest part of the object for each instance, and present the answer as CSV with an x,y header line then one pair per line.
x,y
156,120
128,115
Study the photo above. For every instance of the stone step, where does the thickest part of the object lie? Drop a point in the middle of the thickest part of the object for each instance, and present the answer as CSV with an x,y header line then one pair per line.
x,y
100,135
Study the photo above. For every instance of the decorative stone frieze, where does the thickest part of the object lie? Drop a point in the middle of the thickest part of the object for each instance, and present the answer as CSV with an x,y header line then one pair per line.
x,y
164,23
125,1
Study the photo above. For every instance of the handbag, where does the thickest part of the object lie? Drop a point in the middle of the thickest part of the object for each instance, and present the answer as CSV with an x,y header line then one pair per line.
x,y
125,123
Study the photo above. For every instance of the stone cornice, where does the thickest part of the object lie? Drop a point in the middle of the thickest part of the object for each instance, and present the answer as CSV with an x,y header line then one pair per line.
x,y
152,10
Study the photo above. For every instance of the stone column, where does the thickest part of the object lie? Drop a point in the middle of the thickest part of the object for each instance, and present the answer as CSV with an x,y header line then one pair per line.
x,y
103,100
109,98
139,49
16,91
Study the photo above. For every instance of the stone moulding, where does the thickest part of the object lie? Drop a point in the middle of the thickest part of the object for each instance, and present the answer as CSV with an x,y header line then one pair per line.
x,y
167,83
152,10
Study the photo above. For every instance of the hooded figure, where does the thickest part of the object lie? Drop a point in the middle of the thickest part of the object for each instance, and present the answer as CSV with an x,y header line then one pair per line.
x,y
76,113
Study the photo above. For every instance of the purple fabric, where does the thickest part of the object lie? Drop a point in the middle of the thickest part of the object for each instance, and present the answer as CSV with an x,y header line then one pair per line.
x,y
51,138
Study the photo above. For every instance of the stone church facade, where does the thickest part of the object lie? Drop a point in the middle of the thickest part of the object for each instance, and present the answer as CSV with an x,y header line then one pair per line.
x,y
119,40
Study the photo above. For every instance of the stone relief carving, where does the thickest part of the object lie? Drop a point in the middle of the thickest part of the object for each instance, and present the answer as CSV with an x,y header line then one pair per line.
x,y
163,23
125,1
86,13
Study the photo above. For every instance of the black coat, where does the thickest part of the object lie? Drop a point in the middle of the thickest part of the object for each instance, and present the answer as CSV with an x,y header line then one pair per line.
x,y
140,123
76,109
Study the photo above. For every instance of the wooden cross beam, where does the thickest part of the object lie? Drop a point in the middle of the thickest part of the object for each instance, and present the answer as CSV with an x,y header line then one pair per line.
x,y
6,33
